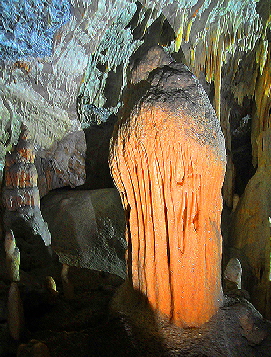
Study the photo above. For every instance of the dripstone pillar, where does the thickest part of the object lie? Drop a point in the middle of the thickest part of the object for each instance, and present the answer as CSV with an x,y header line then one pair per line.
x,y
168,162
21,200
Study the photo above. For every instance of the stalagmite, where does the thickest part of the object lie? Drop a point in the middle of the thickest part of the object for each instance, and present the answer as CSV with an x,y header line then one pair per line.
x,y
12,257
168,161
235,201
21,175
233,273
68,288
21,200
15,312
50,284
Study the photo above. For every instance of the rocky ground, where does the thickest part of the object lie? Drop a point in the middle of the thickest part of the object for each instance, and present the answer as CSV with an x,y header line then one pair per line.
x,y
86,326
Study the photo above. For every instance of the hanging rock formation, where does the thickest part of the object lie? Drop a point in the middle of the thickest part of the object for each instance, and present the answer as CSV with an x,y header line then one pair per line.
x,y
168,162
22,203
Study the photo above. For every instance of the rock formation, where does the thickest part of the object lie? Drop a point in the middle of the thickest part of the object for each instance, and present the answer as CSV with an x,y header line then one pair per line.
x,y
21,175
33,349
251,229
12,257
154,58
15,312
63,164
87,229
168,162
22,202
232,276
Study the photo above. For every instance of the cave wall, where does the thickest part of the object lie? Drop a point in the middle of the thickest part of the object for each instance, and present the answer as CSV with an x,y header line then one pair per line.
x,y
65,68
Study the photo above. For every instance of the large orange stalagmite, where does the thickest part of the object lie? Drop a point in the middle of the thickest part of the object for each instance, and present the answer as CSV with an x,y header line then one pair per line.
x,y
168,161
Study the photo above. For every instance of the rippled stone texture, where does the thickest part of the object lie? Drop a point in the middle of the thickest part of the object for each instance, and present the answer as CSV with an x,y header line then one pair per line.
x,y
22,204
168,162
21,175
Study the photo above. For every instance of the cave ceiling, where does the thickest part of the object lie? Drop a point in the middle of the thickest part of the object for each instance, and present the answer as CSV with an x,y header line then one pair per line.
x,y
64,64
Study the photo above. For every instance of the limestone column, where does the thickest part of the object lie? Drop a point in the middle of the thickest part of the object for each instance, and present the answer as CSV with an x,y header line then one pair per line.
x,y
168,162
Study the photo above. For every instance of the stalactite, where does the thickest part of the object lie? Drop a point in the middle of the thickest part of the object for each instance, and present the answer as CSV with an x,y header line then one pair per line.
x,y
262,118
225,37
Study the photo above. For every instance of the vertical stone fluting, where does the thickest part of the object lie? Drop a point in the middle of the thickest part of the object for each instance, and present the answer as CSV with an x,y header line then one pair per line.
x,y
168,161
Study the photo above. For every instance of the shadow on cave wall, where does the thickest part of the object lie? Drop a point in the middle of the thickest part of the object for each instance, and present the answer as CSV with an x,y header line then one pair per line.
x,y
96,162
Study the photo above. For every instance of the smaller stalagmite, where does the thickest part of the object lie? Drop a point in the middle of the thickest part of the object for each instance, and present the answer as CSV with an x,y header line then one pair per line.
x,y
15,312
21,200
21,175
168,162
12,257
233,275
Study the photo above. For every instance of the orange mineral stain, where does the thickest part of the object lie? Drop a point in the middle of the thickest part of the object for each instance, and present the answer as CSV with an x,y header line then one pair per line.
x,y
168,162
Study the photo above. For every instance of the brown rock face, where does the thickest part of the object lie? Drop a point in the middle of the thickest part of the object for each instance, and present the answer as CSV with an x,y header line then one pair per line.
x,y
168,162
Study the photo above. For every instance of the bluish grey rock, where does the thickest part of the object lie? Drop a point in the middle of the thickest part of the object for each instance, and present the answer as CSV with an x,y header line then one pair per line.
x,y
87,228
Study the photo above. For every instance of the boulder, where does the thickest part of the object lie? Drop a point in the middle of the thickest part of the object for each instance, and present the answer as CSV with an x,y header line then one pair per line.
x,y
87,228
168,162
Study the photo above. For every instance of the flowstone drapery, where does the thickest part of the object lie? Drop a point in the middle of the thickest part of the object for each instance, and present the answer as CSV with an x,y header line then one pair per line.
x,y
168,162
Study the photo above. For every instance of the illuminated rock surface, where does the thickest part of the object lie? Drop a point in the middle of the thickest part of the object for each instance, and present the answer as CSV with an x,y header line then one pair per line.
x,y
168,162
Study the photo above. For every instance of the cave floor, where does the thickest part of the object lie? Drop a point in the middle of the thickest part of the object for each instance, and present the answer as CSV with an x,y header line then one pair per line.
x,y
85,326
